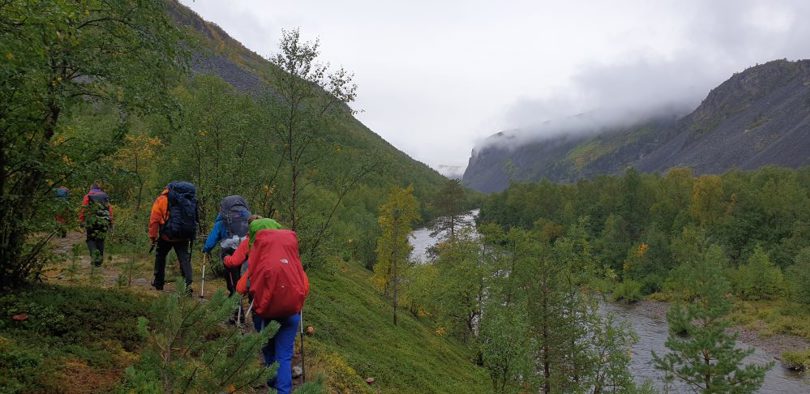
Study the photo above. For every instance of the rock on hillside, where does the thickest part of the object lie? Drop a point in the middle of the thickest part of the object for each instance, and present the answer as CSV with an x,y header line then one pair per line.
x,y
758,117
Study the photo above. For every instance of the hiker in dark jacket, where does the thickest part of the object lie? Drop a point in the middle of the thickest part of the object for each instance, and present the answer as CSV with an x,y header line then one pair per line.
x,y
230,228
173,225
95,216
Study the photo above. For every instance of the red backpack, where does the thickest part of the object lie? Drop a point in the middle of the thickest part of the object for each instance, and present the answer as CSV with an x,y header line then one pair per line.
x,y
277,280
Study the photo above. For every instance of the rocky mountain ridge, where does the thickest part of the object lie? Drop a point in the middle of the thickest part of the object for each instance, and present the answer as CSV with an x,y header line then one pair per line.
x,y
758,117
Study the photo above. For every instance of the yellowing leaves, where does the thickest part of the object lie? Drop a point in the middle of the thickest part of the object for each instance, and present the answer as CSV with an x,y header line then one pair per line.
x,y
642,250
441,331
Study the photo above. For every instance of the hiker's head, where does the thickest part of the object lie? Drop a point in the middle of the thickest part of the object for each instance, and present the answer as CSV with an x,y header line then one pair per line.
x,y
262,224
96,185
253,218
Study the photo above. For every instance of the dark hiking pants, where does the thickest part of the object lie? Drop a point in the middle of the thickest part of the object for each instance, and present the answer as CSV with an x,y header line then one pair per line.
x,y
95,244
183,251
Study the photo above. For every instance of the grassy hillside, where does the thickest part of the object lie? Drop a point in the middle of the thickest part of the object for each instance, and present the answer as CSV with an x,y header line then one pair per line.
x,y
79,333
353,326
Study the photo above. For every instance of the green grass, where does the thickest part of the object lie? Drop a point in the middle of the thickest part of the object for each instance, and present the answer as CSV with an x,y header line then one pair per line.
x,y
73,339
356,339
771,317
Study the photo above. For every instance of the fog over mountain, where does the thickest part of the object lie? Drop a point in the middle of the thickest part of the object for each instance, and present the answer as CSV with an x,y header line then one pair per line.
x,y
721,38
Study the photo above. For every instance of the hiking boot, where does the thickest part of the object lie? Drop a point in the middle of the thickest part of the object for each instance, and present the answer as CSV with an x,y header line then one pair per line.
x,y
189,291
158,288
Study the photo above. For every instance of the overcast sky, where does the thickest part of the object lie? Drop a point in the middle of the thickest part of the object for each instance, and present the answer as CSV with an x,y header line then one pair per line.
x,y
436,77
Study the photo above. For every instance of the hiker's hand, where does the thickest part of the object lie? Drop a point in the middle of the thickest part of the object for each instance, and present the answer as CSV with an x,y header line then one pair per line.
x,y
153,239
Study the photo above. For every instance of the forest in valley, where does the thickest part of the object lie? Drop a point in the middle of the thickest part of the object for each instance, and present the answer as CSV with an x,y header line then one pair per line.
x,y
524,289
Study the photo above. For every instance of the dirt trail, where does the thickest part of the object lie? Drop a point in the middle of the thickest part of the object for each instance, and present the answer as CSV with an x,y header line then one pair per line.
x,y
133,272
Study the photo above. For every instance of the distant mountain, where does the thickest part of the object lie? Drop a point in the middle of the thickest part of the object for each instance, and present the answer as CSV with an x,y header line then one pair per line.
x,y
759,116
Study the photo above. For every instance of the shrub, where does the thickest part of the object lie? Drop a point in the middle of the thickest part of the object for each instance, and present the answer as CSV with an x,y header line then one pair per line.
x,y
797,361
628,291
189,350
759,278
799,277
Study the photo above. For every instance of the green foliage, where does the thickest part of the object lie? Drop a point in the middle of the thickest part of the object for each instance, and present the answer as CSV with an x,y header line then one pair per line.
x,y
702,353
63,328
355,340
515,297
504,345
449,205
759,278
396,219
797,360
190,350
63,58
628,291
799,277
674,216
21,367
457,303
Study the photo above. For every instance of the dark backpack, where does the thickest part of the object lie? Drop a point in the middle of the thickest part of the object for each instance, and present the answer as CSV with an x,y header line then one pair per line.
x,y
182,221
234,212
98,212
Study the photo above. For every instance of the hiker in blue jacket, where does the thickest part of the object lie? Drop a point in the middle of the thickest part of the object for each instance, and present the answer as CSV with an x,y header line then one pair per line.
x,y
230,228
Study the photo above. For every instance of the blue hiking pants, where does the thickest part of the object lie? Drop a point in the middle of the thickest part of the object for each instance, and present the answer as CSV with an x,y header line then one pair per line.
x,y
280,349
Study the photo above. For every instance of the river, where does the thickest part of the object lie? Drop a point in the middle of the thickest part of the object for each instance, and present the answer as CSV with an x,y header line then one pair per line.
x,y
651,328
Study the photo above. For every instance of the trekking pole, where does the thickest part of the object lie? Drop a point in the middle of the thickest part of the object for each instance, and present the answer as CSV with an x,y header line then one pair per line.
x,y
202,286
303,367
239,312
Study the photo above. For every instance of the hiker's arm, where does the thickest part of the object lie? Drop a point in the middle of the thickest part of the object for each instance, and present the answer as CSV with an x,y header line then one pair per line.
x,y
214,236
241,285
156,218
85,203
305,278
239,256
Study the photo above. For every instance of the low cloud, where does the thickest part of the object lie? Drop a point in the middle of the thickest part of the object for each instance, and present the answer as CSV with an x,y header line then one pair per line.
x,y
722,37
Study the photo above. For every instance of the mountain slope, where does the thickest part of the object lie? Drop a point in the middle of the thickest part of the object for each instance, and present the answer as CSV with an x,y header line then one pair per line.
x,y
758,117
214,52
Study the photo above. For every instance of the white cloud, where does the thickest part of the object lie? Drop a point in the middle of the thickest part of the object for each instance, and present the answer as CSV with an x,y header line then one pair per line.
x,y
436,76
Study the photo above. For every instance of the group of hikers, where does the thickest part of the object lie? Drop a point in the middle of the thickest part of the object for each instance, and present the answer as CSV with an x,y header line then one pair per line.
x,y
260,259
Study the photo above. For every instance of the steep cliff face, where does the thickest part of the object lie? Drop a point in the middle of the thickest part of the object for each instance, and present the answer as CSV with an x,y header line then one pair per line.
x,y
760,116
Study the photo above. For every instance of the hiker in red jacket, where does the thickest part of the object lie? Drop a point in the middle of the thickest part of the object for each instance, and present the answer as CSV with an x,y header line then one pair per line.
x,y
279,286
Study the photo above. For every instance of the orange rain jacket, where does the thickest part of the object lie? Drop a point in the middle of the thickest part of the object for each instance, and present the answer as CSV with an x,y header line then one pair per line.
x,y
159,215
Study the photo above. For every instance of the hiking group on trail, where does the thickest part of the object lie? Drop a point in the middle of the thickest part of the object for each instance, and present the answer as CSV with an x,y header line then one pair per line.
x,y
260,259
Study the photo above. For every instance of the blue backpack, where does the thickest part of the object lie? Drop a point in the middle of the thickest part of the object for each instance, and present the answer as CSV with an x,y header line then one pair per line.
x,y
182,222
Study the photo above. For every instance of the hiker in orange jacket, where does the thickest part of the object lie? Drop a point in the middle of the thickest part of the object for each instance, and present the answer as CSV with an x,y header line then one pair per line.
x,y
172,225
